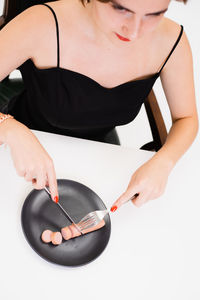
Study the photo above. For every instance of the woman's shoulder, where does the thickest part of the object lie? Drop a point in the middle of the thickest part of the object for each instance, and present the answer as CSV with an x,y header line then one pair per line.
x,y
170,35
36,17
43,18
169,31
166,36
39,16
40,22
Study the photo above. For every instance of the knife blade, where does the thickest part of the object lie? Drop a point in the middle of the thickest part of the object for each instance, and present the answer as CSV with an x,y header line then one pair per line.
x,y
64,211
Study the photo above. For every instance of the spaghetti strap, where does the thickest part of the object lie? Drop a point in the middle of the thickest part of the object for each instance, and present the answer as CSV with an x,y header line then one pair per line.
x,y
176,43
57,33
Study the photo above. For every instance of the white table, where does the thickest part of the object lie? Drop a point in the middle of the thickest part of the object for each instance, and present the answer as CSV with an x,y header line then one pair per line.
x,y
153,252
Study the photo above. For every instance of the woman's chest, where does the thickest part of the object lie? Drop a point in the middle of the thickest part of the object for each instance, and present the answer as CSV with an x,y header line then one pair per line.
x,y
104,67
107,65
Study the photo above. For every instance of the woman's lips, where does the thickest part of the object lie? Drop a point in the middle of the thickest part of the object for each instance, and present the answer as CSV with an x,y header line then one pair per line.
x,y
122,38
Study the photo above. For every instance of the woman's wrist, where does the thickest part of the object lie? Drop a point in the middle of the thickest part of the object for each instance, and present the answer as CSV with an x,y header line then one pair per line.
x,y
4,117
163,161
6,127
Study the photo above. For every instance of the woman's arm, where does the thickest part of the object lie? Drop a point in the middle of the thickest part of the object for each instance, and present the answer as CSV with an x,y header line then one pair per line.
x,y
178,84
20,38
19,41
150,180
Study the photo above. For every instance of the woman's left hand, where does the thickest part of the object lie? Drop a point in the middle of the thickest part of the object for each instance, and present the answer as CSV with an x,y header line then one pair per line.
x,y
148,182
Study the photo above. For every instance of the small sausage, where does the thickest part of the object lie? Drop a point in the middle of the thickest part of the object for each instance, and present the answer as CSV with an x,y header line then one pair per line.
x,y
74,230
56,238
46,236
66,233
101,224
71,231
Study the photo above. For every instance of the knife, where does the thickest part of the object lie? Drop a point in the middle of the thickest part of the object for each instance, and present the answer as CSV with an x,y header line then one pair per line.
x,y
64,211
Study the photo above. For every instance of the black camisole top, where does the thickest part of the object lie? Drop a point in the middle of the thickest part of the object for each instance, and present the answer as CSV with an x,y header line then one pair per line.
x,y
66,102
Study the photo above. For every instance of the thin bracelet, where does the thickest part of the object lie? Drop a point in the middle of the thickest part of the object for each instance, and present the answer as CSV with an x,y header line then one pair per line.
x,y
3,117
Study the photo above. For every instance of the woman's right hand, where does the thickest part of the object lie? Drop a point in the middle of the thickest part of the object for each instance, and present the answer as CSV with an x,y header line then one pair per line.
x,y
29,157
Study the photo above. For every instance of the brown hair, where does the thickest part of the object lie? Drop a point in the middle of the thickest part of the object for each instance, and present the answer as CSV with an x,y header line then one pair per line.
x,y
106,1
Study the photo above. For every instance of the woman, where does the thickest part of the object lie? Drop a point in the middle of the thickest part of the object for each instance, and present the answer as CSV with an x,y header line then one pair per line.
x,y
87,69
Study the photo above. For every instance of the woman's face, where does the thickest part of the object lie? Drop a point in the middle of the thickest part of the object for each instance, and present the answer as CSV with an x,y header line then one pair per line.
x,y
128,20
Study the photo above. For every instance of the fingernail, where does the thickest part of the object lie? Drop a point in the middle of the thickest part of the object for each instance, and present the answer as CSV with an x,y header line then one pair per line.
x,y
56,199
113,208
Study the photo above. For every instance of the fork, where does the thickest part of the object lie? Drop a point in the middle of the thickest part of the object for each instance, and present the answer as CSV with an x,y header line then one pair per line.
x,y
92,219
95,217
89,221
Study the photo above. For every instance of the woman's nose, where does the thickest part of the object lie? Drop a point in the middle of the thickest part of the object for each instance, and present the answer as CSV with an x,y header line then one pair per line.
x,y
131,28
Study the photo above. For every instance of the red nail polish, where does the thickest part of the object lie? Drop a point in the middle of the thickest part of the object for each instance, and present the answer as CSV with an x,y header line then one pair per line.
x,y
56,199
113,208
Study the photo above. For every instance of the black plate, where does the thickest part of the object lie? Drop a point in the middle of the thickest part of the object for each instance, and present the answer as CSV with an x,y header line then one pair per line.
x,y
39,212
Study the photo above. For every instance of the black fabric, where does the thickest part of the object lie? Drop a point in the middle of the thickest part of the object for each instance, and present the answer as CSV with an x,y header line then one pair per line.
x,y
4,108
66,102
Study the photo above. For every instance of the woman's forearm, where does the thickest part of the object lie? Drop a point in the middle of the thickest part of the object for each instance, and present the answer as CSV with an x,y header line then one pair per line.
x,y
7,130
180,137
150,179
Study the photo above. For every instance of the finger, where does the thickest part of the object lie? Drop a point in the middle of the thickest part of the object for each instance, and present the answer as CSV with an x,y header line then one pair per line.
x,y
125,197
20,171
40,181
140,199
34,180
52,183
28,177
